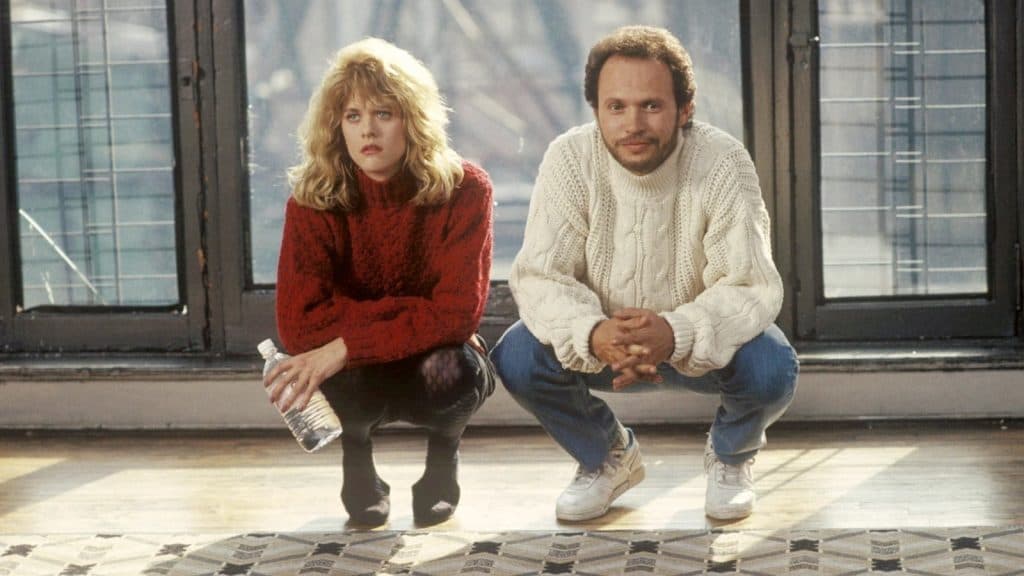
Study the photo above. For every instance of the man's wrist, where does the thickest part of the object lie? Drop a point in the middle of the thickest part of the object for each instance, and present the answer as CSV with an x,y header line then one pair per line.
x,y
671,337
590,338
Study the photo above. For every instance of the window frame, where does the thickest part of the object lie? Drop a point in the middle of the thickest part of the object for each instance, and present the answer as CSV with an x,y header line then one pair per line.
x,y
178,327
905,318
249,310
225,316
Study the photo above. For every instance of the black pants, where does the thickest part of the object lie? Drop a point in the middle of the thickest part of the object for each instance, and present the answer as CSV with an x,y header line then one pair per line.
x,y
368,397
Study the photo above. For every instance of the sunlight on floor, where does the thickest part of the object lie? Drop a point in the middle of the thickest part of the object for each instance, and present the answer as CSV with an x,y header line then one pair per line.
x,y
832,474
920,477
14,467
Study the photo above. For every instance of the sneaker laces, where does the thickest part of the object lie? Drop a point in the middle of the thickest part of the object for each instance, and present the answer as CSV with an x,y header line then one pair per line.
x,y
615,456
586,477
732,474
613,461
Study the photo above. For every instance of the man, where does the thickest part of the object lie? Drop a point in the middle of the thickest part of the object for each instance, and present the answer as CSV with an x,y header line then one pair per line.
x,y
646,261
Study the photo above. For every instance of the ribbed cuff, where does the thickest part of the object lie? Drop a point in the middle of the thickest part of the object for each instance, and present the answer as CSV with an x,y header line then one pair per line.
x,y
581,330
682,331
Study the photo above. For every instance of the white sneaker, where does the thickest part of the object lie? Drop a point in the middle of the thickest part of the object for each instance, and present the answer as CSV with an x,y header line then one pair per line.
x,y
591,493
730,493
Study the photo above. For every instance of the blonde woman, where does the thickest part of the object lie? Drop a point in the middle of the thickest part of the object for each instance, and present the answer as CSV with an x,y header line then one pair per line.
x,y
384,272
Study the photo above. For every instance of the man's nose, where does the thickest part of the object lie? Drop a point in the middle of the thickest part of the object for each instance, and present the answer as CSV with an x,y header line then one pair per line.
x,y
635,121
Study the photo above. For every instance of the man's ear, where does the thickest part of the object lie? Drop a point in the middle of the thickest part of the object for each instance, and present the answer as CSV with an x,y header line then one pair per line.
x,y
685,113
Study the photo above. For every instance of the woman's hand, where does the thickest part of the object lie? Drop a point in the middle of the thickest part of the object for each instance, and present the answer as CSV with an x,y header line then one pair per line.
x,y
293,381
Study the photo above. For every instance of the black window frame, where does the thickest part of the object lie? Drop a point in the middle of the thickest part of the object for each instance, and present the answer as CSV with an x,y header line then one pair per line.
x,y
223,315
815,319
249,309
178,328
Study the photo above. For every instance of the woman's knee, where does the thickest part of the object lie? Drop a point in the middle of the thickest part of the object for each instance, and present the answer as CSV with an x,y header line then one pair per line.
x,y
359,406
447,412
444,371
451,373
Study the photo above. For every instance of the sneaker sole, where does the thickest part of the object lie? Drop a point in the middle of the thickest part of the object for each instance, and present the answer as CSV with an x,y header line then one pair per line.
x,y
729,513
635,477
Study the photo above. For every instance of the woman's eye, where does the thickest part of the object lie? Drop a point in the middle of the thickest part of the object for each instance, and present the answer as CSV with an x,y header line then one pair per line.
x,y
383,114
352,117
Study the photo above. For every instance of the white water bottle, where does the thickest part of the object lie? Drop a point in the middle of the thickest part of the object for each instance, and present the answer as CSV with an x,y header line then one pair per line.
x,y
313,427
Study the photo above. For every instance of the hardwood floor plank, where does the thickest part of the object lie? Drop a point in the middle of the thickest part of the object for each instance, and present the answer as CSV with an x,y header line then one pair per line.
x,y
917,474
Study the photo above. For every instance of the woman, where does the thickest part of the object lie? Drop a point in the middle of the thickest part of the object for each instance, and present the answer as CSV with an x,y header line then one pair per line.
x,y
383,273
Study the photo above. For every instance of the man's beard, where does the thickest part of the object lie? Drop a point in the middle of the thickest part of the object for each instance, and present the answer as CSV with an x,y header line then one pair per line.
x,y
646,166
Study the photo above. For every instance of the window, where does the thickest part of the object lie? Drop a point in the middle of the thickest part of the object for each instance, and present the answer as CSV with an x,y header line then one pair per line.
x,y
901,208
144,147
511,71
94,155
93,180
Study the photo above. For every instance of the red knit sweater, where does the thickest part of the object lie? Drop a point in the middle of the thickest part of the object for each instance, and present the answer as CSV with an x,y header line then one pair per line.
x,y
390,278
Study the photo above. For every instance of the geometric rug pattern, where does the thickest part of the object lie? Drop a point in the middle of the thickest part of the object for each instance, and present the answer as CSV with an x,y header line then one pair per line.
x,y
957,551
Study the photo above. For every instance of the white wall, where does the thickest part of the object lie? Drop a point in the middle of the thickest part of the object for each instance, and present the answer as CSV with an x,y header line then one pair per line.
x,y
239,402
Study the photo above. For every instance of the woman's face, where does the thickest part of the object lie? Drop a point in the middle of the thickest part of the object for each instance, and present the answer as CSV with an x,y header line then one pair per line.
x,y
374,135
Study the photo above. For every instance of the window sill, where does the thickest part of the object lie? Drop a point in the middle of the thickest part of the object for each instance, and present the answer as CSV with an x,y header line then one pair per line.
x,y
814,357
910,356
126,367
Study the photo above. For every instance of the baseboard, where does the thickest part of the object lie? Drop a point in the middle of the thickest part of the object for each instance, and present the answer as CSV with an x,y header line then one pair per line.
x,y
200,403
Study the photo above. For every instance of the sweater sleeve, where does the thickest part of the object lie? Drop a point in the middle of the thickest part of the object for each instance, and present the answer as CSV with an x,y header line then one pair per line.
x,y
397,327
312,309
743,289
307,315
557,307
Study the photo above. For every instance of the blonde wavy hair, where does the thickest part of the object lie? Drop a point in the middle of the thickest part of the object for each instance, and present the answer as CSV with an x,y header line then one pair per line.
x,y
376,71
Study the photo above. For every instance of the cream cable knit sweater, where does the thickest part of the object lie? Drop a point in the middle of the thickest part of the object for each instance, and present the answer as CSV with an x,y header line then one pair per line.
x,y
689,241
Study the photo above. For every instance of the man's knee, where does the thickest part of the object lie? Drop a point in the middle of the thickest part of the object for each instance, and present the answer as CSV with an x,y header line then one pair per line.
x,y
513,357
781,377
768,367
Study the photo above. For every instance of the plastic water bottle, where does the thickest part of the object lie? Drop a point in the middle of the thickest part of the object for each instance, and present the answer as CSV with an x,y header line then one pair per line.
x,y
313,427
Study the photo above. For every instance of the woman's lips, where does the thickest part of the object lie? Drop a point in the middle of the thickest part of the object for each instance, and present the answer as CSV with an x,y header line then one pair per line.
x,y
370,149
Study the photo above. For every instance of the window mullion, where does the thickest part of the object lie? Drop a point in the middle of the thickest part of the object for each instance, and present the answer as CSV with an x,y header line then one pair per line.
x,y
10,275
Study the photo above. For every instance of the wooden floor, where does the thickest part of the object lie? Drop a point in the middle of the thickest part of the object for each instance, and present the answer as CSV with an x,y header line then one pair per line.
x,y
885,475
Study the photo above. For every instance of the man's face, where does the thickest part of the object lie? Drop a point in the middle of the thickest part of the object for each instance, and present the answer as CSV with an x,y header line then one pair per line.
x,y
637,112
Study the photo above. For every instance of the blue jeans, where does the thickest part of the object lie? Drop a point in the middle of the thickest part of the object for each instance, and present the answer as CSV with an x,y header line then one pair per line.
x,y
755,388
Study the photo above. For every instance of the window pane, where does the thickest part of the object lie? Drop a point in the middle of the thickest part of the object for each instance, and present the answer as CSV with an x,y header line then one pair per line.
x,y
903,161
512,71
94,152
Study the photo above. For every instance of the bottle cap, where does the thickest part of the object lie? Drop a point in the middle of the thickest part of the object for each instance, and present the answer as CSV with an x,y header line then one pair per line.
x,y
267,348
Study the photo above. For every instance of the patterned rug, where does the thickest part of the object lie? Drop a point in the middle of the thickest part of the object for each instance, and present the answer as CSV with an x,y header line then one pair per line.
x,y
960,551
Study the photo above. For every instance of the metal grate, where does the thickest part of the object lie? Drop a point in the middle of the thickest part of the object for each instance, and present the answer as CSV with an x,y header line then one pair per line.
x,y
94,152
903,154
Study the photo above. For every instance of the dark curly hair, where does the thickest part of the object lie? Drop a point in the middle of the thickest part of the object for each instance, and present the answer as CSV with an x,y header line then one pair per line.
x,y
645,42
